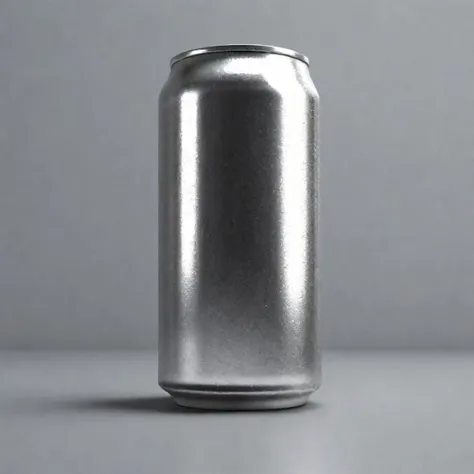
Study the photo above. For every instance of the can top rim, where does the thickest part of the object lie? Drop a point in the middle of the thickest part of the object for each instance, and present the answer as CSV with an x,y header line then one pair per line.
x,y
240,48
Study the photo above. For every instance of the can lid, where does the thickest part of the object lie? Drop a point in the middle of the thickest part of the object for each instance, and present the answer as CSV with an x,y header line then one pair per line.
x,y
240,48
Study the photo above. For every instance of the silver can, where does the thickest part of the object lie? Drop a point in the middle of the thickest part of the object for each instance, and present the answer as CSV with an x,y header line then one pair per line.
x,y
238,213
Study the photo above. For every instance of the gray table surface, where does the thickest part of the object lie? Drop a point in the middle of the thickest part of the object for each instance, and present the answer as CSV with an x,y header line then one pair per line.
x,y
379,412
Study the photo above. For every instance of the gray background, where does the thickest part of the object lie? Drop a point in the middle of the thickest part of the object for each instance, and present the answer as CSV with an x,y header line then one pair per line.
x,y
78,164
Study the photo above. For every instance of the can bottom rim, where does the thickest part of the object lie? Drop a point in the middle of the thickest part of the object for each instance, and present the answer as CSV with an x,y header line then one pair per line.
x,y
261,398
226,403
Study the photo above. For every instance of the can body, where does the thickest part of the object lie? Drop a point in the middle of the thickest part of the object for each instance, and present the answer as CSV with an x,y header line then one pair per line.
x,y
238,215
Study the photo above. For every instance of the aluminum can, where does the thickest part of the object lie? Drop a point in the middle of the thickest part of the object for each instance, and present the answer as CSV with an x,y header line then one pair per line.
x,y
238,215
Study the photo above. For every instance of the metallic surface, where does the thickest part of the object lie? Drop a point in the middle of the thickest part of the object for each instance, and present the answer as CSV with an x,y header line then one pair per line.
x,y
238,209
240,48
